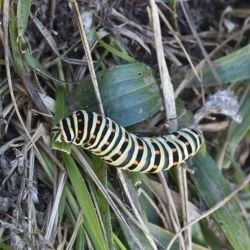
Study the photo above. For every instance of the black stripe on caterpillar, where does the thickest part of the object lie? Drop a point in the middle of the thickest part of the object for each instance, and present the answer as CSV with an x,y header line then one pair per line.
x,y
117,147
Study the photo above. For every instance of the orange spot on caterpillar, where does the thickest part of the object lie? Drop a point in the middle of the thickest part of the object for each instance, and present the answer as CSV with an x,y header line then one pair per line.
x,y
157,152
140,147
79,131
126,140
174,149
98,121
80,120
107,143
187,143
135,163
155,167
119,152
93,136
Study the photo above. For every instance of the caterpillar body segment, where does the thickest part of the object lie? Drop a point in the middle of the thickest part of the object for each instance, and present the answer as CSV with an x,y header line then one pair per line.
x,y
114,145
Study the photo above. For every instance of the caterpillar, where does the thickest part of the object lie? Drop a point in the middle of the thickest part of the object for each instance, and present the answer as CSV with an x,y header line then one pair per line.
x,y
117,147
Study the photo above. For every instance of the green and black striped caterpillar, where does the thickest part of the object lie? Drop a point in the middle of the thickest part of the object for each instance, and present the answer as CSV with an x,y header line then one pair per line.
x,y
114,145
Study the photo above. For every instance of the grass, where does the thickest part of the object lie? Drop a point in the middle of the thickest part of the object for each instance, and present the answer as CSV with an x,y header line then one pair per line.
x,y
60,196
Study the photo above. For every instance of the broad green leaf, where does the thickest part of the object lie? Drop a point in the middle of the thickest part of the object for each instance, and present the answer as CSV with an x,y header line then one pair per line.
x,y
233,67
213,187
90,222
129,93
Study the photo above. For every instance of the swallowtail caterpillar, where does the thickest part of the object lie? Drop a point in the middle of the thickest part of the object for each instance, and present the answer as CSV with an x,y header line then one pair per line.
x,y
117,147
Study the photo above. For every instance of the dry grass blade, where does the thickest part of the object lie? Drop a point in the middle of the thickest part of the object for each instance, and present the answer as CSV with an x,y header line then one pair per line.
x,y
181,45
167,87
88,55
54,212
135,210
6,55
133,36
169,100
33,92
74,235
46,34
211,210
192,27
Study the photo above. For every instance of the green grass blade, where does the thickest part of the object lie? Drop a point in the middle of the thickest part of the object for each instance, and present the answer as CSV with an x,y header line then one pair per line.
x,y
238,131
71,212
5,247
140,232
100,169
32,62
91,222
210,236
114,51
230,68
118,242
23,11
14,45
213,187
80,240
61,112
164,237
